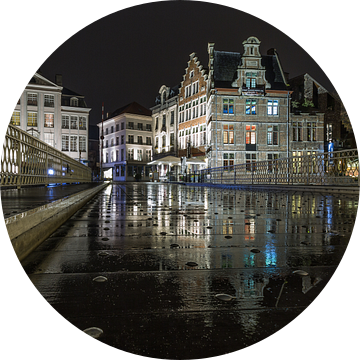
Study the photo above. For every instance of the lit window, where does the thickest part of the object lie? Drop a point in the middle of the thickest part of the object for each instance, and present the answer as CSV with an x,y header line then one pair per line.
x,y
250,107
273,107
251,83
228,106
49,120
32,119
15,118
49,138
250,134
228,134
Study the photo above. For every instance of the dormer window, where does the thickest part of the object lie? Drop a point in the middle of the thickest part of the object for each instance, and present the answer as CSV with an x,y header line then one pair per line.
x,y
164,97
251,83
74,102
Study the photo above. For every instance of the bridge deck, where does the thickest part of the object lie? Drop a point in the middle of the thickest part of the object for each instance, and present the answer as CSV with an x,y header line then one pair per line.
x,y
165,251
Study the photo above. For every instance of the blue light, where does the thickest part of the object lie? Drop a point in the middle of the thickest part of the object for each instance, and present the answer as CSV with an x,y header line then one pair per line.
x,y
330,147
51,172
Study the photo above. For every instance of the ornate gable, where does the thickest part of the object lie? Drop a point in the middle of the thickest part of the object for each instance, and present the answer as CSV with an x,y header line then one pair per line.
x,y
251,73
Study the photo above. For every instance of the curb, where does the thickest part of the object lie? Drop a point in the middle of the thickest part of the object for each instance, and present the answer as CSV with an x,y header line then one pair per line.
x,y
29,229
321,189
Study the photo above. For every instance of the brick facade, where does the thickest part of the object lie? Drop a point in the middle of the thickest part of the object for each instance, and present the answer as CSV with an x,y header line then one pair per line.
x,y
192,110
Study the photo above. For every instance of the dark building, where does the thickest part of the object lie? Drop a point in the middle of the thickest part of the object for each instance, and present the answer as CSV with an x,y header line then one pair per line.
x,y
309,96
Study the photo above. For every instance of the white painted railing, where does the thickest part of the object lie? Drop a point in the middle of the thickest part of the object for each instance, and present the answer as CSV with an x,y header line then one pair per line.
x,y
333,168
26,160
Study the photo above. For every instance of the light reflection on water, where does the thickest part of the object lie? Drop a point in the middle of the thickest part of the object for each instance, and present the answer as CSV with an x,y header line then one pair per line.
x,y
245,244
218,228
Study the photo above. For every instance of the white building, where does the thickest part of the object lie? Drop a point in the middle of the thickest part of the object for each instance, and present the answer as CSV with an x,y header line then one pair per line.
x,y
127,143
165,129
55,115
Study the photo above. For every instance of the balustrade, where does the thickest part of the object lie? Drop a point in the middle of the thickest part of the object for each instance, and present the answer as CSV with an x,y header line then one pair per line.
x,y
26,160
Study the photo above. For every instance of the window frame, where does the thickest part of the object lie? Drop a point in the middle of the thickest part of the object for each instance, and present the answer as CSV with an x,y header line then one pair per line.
x,y
228,106
250,107
250,134
228,134
273,107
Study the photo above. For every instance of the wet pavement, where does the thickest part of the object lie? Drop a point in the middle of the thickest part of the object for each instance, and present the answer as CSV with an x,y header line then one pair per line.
x,y
180,272
14,201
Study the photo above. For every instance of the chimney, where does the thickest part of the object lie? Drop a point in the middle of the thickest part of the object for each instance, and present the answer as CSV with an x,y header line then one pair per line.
x,y
58,79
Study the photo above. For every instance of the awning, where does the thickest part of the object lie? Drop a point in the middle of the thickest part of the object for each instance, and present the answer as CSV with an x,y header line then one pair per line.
x,y
166,160
172,160
195,161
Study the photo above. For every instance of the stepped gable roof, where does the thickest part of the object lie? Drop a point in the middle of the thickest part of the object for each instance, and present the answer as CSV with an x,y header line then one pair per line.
x,y
132,108
227,63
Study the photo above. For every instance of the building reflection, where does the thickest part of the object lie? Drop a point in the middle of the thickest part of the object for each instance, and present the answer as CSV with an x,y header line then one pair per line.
x,y
217,231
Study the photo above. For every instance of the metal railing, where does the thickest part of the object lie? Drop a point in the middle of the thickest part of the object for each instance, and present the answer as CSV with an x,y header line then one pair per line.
x,y
333,168
26,160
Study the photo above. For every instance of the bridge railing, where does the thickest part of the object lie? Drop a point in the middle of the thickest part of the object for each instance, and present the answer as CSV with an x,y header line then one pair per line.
x,y
26,160
333,168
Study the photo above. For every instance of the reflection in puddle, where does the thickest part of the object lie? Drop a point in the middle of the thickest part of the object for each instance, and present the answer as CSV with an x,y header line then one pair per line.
x,y
214,263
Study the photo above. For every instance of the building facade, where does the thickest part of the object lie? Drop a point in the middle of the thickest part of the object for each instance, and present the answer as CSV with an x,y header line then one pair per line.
x,y
127,143
192,127
248,116
55,115
310,97
165,130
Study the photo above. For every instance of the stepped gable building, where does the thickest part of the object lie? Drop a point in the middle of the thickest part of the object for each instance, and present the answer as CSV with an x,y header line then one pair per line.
x,y
127,143
248,101
55,115
192,112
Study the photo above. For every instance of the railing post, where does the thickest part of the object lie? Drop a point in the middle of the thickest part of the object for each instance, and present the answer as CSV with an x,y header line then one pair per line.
x,y
47,165
18,155
308,170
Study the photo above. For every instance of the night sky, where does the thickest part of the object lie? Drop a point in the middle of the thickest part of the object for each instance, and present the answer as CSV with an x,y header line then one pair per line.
x,y
128,55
